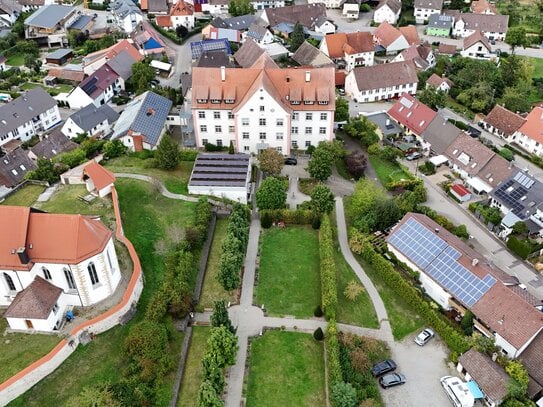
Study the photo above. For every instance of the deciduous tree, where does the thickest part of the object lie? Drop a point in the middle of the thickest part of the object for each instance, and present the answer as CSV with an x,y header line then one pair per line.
x,y
220,316
342,110
362,129
222,346
142,74
516,37
271,161
322,199
271,194
240,7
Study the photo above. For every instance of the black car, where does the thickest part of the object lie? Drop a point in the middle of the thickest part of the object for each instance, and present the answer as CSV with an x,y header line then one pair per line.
x,y
393,379
291,161
383,367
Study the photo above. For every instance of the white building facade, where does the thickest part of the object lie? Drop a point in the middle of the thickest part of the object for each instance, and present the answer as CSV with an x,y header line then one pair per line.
x,y
387,13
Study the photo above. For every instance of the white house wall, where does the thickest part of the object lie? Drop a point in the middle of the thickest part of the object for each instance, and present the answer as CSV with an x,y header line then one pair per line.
x,y
238,194
374,95
423,14
43,325
528,144
186,21
385,14
78,99
460,30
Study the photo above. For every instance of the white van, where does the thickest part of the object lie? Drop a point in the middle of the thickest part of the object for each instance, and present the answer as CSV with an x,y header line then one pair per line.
x,y
457,391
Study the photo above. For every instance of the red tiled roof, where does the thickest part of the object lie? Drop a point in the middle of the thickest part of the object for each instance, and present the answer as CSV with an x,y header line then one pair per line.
x,y
446,49
482,7
436,80
164,21
100,177
460,190
182,9
386,34
474,38
411,113
533,127
504,120
411,35
348,43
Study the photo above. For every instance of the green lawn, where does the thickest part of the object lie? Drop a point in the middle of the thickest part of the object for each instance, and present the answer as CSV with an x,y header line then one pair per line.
x,y
20,350
403,319
60,87
175,181
25,196
387,171
306,185
359,312
538,67
192,376
288,277
145,219
212,290
286,369
16,60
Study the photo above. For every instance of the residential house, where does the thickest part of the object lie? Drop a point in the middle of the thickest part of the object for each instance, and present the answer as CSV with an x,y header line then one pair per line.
x,y
421,55
532,360
14,165
323,26
59,56
411,34
261,35
439,25
147,40
503,123
386,128
102,85
51,145
222,175
214,7
351,9
480,167
458,279
349,50
74,253
327,3
215,59
311,16
49,25
387,11
182,13
143,122
197,48
213,33
520,199
488,376
98,180
482,7
413,116
438,135
439,83
493,27
446,49
248,54
425,8
383,81
126,15
9,11
308,55
34,112
93,61
476,46
240,23
530,135
156,7
263,107
390,39
93,120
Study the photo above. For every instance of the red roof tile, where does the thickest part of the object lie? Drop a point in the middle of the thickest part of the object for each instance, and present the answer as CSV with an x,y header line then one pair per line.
x,y
460,190
412,114
34,302
533,127
100,177
504,120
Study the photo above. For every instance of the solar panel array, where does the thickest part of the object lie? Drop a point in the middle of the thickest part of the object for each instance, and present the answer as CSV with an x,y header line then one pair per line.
x,y
151,117
524,180
438,259
220,170
511,198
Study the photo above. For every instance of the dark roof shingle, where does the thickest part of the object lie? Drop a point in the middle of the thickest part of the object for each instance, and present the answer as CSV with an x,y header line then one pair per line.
x,y
35,302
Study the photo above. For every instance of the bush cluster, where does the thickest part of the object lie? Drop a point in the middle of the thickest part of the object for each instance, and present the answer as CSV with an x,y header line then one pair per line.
x,y
289,216
234,246
454,340
328,269
332,350
187,154
521,248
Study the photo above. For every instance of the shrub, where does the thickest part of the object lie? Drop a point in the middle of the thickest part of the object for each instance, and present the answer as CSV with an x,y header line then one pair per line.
x,y
506,153
318,311
213,147
290,217
521,248
327,269
187,155
271,194
318,334
266,219
344,395
316,222
332,349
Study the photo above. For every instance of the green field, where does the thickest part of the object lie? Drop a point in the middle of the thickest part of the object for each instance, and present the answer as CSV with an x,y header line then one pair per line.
x,y
25,196
387,171
192,375
286,369
538,67
16,60
288,277
212,289
63,88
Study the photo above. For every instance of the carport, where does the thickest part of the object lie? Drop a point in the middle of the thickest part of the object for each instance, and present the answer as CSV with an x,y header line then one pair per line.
x,y
438,160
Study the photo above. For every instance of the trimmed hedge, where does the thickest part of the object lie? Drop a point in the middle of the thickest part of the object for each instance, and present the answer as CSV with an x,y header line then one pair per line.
x,y
289,216
454,340
520,247
332,352
328,269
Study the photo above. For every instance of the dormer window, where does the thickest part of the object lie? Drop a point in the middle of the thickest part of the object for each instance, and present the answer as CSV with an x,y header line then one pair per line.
x,y
201,100
308,102
294,102
215,101
323,102
229,101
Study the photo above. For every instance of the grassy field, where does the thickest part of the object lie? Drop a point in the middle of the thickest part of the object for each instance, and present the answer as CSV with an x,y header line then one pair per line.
x,y
403,319
286,369
288,277
175,181
192,376
387,171
538,67
20,350
359,312
60,87
212,290
25,196
145,219
16,60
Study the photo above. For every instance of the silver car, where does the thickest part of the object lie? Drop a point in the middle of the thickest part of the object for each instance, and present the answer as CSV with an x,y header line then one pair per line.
x,y
392,379
423,338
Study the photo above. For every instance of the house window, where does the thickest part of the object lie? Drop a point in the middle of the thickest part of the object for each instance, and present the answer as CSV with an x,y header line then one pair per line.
x,y
230,115
295,116
218,129
219,142
245,122
294,144
231,129
9,282
294,130
279,136
309,116
91,268
69,279
308,130
279,122
216,115
110,262
262,136
324,116
262,122
204,141
245,135
279,149
261,108
55,308
46,273
322,130
308,143
201,115
246,148
203,128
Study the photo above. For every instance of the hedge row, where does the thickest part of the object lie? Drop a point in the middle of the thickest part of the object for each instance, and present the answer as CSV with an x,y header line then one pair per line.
x,y
454,340
290,217
328,269
521,248
332,352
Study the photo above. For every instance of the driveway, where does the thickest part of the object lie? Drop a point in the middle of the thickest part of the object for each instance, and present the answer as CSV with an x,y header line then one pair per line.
x,y
423,367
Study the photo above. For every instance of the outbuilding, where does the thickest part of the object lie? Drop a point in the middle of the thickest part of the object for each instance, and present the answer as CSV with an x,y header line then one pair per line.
x,y
59,57
460,192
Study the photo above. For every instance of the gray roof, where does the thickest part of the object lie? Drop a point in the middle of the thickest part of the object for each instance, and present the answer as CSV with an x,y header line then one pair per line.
x,y
90,116
122,8
307,54
10,7
214,59
49,16
242,22
248,53
256,31
385,75
122,64
440,134
227,170
145,115
53,144
59,53
306,14
157,6
82,22
429,4
385,123
14,166
483,22
440,21
24,108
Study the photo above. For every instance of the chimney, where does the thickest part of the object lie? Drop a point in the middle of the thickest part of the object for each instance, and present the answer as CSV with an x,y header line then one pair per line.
x,y
23,255
436,230
308,76
223,73
474,262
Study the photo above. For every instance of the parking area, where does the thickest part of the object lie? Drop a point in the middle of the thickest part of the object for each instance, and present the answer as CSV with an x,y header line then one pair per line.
x,y
423,366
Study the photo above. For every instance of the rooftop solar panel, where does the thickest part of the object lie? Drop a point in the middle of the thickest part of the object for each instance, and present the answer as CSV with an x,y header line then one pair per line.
x,y
233,170
218,176
218,183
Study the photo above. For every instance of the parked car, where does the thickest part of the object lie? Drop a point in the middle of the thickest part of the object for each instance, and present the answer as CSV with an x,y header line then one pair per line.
x,y
413,156
425,336
341,91
383,367
392,379
291,161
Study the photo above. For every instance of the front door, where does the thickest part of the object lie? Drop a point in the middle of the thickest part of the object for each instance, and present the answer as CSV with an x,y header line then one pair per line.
x,y
29,324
